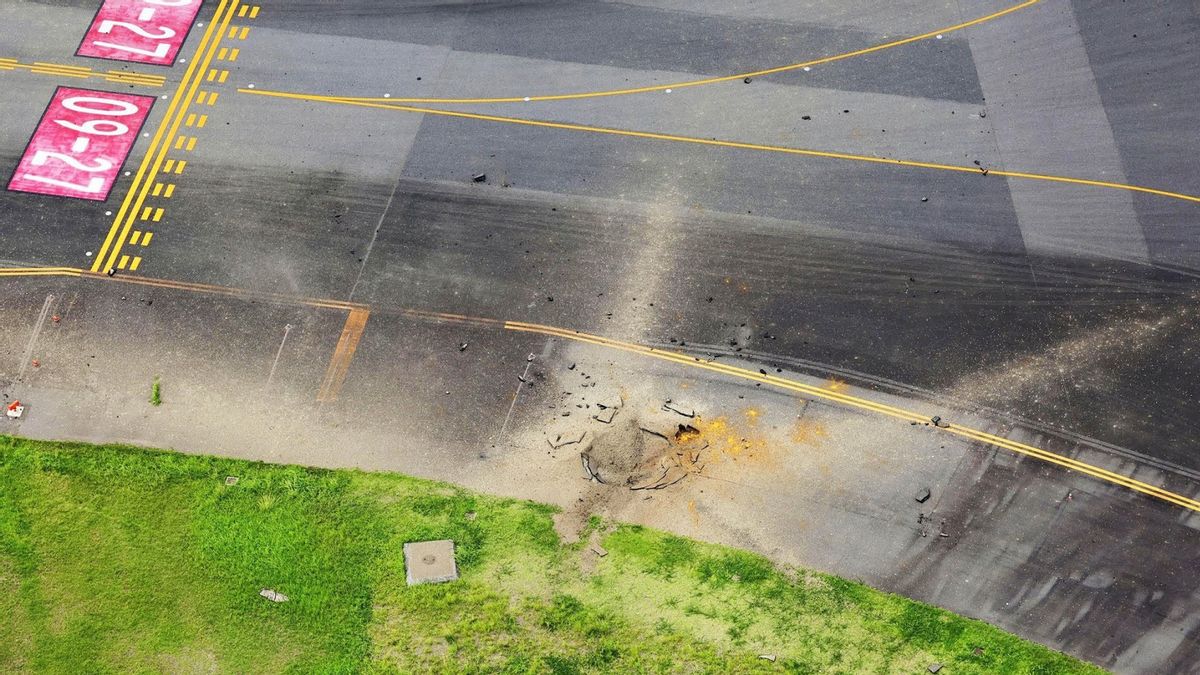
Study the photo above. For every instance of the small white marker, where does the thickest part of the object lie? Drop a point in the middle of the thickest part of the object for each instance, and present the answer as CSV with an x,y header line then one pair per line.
x,y
939,37
526,99
89,254
183,60
146,14
126,173
668,91
80,144
387,95
146,135
108,213
164,97
201,24
250,86
806,69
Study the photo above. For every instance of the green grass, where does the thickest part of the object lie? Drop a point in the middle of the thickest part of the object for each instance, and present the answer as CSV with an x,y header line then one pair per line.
x,y
156,392
116,559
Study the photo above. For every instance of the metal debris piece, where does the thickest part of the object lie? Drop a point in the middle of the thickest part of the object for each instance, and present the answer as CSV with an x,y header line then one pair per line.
x,y
767,657
479,177
605,415
592,474
559,441
462,347
599,550
934,667
273,595
922,496
679,409
231,480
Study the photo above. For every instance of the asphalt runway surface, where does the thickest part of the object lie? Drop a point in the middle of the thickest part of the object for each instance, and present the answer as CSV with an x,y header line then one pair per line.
x,y
995,218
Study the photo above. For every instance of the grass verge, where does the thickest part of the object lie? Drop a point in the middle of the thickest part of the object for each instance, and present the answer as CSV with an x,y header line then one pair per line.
x,y
118,559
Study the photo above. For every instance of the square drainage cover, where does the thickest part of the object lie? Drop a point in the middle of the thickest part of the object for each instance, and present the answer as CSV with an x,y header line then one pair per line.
x,y
430,562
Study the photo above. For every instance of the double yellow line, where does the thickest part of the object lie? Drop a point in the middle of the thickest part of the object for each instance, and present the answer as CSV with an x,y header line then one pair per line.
x,y
184,95
868,405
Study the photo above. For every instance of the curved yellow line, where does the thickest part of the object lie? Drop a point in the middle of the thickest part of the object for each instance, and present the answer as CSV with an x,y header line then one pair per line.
x,y
1069,463
728,144
713,80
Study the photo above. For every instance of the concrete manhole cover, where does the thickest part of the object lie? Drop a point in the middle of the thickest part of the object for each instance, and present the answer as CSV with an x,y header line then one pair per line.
x,y
429,562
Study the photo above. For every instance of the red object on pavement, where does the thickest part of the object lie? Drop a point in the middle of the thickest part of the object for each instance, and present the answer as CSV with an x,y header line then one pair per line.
x,y
14,405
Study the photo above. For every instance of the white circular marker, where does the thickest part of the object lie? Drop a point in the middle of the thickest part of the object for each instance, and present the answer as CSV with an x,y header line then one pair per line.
x,y
146,135
668,91
108,213
526,99
126,173
387,95
939,37
183,60
89,254
250,86
164,97
806,69
201,24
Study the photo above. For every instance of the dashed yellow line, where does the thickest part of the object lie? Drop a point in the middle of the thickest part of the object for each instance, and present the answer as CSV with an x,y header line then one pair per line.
x,y
868,405
83,72
724,78
730,144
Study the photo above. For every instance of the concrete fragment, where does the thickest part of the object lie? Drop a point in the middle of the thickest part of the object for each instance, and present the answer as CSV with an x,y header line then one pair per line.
x,y
934,667
479,177
767,657
922,495
605,415
231,480
273,595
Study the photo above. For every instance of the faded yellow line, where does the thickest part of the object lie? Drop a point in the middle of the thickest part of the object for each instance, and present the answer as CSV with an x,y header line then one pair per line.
x,y
729,144
723,78
343,354
872,406
144,173
192,81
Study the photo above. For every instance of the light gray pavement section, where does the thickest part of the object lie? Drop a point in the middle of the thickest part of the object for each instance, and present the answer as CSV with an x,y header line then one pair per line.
x,y
1043,103
898,18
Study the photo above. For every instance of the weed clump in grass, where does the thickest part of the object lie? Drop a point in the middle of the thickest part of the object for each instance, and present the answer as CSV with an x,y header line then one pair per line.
x,y
156,392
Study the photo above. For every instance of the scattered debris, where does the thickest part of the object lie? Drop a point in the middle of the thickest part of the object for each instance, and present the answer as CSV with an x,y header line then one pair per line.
x,y
37,363
15,410
767,657
571,367
934,667
111,272
462,347
529,358
924,199
605,415
937,422
56,318
978,651
479,177
746,80
678,409
922,496
430,562
599,550
470,515
273,595
612,402
231,480
560,442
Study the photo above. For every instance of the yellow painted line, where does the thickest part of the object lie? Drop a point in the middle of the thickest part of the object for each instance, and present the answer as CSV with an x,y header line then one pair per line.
x,y
212,98
124,261
59,73
136,263
169,191
233,31
191,144
145,214
81,72
168,164
133,238
179,167
724,78
202,121
146,239
233,54
731,144
158,214
868,405
179,142
243,9
40,271
191,120
245,32
167,129
225,50
212,75
254,12
158,188
224,76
